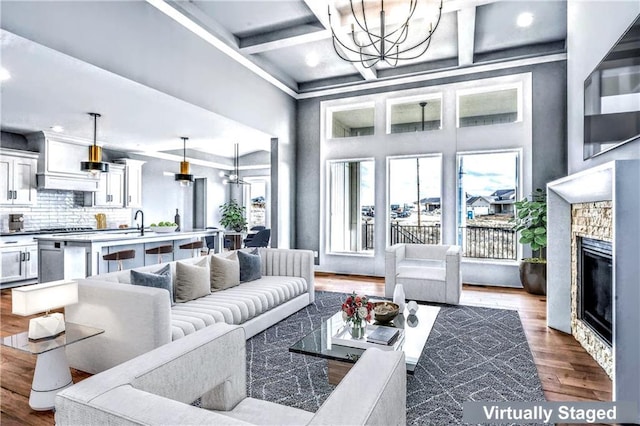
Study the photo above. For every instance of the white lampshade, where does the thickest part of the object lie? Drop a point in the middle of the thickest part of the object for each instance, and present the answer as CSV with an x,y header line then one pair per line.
x,y
37,298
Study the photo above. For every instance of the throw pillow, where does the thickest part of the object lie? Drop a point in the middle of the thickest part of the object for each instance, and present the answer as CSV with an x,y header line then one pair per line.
x,y
192,280
250,266
159,279
225,271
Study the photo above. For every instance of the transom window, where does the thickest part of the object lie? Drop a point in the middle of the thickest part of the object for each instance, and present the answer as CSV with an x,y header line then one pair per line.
x,y
414,114
352,121
486,106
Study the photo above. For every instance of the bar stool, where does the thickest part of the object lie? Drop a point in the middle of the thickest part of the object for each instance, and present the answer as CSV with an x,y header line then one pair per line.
x,y
195,246
160,250
119,256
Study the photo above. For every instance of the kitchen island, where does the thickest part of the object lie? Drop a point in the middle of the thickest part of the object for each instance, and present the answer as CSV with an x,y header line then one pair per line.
x,y
71,256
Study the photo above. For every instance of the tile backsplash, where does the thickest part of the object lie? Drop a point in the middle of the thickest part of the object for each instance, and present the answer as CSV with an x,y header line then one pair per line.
x,y
63,209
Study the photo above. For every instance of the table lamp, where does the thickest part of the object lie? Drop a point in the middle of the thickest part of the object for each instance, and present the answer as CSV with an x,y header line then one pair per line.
x,y
37,298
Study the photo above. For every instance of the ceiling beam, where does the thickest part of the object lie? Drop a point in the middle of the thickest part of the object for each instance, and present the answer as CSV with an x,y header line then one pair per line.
x,y
319,9
466,35
289,37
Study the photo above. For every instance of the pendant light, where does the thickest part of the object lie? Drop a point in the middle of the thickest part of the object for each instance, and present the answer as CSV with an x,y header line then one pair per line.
x,y
234,177
184,177
95,164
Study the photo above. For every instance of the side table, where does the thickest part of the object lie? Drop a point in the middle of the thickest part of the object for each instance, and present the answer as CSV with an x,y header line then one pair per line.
x,y
52,372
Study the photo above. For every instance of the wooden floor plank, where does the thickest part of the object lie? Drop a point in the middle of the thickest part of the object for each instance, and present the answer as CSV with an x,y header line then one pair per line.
x,y
566,371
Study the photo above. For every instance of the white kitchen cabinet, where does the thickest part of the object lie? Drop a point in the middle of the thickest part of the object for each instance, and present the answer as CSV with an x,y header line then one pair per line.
x,y
18,177
110,191
19,262
132,182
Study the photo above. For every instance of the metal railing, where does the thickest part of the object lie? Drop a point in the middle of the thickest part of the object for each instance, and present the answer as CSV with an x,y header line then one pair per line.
x,y
478,241
489,243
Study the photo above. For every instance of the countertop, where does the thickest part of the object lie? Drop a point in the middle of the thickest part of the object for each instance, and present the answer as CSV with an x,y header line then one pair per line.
x,y
131,236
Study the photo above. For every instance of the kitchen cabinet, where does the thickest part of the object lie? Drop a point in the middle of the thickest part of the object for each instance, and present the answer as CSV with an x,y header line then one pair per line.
x,y
132,181
110,191
19,262
18,177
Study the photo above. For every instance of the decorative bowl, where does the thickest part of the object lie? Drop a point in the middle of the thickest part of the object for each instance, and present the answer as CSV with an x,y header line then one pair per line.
x,y
385,311
163,229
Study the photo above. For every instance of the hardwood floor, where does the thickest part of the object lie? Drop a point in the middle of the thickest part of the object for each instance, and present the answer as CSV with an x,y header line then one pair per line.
x,y
566,371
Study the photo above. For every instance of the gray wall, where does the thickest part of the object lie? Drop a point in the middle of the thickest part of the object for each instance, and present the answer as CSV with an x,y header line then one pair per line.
x,y
548,150
611,18
162,195
138,42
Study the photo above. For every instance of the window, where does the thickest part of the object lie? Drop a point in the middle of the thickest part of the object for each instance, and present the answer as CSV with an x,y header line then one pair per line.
x,y
489,106
354,121
414,114
487,191
351,193
256,211
411,179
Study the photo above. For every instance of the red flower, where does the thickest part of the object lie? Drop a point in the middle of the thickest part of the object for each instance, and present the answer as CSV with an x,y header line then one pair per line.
x,y
358,299
350,311
349,300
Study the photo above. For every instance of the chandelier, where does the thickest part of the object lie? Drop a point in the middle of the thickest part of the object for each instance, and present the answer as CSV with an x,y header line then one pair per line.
x,y
234,177
369,44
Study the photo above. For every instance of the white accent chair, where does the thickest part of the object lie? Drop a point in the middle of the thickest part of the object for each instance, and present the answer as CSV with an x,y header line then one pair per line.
x,y
158,387
430,273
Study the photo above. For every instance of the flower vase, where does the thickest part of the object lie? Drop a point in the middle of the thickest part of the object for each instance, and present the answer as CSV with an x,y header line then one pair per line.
x,y
357,330
398,297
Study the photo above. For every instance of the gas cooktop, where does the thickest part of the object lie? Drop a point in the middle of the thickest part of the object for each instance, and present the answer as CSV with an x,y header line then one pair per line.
x,y
67,229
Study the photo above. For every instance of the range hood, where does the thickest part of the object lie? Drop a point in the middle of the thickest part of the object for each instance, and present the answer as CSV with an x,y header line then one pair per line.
x,y
59,162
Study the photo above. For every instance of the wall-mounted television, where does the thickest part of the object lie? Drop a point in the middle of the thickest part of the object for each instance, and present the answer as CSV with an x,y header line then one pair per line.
x,y
612,96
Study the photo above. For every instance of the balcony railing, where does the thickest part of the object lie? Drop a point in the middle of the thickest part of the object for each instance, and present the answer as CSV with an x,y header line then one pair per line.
x,y
478,241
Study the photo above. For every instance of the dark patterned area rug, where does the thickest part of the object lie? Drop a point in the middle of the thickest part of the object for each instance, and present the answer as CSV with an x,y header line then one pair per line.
x,y
473,354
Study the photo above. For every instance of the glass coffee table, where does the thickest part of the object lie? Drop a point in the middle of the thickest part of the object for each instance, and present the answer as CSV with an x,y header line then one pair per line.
x,y
52,372
340,358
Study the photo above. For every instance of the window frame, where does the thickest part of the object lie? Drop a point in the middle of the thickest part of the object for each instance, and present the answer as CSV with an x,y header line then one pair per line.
x,y
328,202
347,107
414,98
492,88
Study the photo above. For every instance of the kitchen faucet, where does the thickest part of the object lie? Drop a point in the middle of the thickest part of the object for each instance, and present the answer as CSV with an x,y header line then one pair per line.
x,y
141,223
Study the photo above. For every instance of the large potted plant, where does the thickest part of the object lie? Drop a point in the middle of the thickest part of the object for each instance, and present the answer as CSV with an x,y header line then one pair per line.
x,y
233,216
531,222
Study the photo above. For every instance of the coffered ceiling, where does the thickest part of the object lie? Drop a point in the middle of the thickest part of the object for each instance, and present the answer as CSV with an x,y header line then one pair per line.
x,y
90,68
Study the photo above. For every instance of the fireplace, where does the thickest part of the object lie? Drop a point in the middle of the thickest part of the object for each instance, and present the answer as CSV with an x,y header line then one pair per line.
x,y
595,286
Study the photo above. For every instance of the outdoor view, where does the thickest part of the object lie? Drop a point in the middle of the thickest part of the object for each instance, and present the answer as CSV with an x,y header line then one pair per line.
x,y
487,183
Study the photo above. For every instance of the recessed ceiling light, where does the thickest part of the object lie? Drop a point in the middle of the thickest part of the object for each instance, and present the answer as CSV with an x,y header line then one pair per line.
x,y
525,19
312,60
57,129
4,74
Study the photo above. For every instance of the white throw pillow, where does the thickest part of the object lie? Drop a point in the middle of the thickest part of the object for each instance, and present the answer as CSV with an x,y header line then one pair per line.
x,y
192,280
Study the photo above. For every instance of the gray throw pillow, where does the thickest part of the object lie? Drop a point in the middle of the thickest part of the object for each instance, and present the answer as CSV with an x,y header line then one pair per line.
x,y
159,279
225,271
250,266
192,280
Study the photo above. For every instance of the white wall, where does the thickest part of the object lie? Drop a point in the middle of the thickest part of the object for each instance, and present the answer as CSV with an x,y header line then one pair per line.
x,y
593,28
448,141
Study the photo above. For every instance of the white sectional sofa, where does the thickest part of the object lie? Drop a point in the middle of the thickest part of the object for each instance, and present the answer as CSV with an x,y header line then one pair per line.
x,y
156,388
138,319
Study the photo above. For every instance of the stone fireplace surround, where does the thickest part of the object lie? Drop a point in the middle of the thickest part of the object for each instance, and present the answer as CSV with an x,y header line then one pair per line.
x,y
616,182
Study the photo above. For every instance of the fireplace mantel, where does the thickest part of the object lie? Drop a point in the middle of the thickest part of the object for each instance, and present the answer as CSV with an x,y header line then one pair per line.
x,y
618,182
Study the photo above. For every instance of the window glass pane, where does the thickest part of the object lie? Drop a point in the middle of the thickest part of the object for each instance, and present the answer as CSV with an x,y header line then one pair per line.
x,y
258,204
486,195
412,179
354,122
351,192
408,116
479,109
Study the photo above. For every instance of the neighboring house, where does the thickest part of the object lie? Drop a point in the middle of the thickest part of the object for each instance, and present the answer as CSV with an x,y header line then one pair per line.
x,y
431,203
504,200
480,205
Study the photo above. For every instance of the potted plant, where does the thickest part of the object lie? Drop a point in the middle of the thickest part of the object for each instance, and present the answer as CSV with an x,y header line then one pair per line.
x,y
233,216
531,222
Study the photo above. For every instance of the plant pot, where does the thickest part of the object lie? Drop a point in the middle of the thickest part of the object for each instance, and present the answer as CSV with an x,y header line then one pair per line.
x,y
533,277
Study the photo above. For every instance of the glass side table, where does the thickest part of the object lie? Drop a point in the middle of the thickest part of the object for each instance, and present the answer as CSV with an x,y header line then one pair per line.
x,y
52,372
